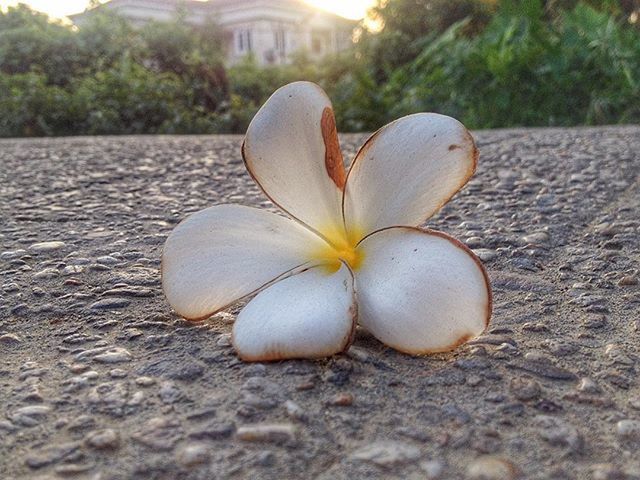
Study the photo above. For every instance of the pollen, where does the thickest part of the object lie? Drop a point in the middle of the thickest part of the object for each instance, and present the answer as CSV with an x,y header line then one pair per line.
x,y
341,247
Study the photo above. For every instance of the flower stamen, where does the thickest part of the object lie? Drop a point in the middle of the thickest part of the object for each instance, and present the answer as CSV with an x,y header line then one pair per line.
x,y
341,247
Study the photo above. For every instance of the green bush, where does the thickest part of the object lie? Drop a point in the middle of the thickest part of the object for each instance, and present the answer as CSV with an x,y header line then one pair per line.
x,y
251,84
30,42
30,107
109,78
127,98
522,70
490,64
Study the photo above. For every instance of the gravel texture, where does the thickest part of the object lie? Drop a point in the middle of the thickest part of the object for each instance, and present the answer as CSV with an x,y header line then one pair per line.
x,y
100,380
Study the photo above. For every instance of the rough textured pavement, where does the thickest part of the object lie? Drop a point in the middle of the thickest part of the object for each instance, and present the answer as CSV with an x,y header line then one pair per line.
x,y
100,380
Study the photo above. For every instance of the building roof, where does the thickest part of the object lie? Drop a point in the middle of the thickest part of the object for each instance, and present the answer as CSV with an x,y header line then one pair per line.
x,y
212,6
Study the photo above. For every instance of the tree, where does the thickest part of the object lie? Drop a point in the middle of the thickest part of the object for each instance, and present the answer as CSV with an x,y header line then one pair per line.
x,y
195,53
408,24
29,41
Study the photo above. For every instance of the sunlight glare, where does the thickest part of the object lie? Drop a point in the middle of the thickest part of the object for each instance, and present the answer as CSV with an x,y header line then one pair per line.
x,y
54,8
354,9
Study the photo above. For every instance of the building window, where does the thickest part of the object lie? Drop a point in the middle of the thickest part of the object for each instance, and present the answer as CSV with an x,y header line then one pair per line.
x,y
316,45
280,41
244,41
319,42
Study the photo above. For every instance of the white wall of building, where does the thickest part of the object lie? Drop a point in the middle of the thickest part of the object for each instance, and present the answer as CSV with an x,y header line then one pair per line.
x,y
272,31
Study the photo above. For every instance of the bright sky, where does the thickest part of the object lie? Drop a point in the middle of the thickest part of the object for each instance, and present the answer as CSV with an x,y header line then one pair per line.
x,y
355,9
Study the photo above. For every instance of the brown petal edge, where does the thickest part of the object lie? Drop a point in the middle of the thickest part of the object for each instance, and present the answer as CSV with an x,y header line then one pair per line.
x,y
366,146
294,271
489,308
279,355
247,164
332,146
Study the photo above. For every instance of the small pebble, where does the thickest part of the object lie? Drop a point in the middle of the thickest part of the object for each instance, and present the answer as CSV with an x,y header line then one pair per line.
x,y
387,453
103,439
114,355
10,338
117,373
358,354
433,469
341,400
559,432
30,416
269,433
628,429
491,468
145,381
618,355
44,247
535,238
193,454
607,472
525,388
587,385
628,281
295,411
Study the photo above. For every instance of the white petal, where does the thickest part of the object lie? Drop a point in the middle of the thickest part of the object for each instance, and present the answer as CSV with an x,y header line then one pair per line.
x,y
223,253
407,171
308,315
421,291
292,151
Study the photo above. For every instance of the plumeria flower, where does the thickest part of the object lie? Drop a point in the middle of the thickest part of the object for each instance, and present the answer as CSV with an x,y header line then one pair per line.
x,y
350,250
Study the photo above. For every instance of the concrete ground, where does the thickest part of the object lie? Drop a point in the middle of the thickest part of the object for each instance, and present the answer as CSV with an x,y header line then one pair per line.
x,y
100,380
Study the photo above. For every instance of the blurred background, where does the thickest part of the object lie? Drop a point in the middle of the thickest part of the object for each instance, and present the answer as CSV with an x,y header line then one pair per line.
x,y
88,67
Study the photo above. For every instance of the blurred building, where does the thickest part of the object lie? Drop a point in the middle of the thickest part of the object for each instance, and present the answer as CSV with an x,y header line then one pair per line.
x,y
271,30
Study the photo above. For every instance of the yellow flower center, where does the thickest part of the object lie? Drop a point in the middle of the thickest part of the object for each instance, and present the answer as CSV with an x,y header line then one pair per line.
x,y
341,248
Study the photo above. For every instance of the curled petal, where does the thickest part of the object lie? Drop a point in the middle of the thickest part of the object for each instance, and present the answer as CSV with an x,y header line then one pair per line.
x,y
292,151
219,255
407,171
421,291
308,315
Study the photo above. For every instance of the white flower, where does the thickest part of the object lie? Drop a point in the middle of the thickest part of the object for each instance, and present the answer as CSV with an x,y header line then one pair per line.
x,y
352,251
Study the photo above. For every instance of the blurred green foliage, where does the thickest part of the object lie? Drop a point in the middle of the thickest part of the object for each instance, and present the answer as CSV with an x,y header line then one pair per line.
x,y
489,63
108,77
523,69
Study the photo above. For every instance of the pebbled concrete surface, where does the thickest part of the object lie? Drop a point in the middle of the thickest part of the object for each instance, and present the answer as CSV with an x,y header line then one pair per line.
x,y
100,380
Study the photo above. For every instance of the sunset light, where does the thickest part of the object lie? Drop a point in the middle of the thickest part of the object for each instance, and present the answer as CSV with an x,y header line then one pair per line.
x,y
354,9
53,8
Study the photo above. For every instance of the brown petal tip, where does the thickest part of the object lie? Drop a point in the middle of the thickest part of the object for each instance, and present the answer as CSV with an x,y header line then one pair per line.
x,y
333,159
